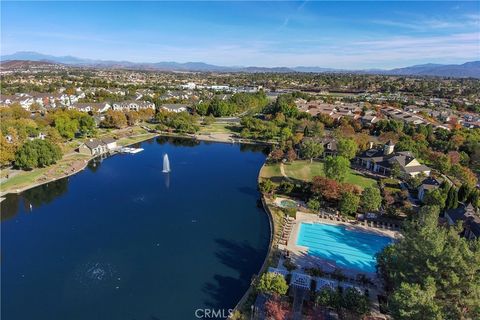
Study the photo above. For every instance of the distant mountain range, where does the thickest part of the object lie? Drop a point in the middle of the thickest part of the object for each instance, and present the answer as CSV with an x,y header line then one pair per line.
x,y
468,69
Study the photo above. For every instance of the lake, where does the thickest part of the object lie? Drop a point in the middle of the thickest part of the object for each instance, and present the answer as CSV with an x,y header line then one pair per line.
x,y
122,240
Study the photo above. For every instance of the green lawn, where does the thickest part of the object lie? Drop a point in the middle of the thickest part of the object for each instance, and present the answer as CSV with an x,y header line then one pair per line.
x,y
22,179
270,171
219,128
26,178
134,139
304,170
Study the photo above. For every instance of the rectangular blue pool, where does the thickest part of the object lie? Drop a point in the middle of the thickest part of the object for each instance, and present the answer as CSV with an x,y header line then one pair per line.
x,y
348,248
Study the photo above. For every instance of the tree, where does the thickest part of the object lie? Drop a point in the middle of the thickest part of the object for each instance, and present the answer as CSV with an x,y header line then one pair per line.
x,y
66,126
442,162
132,117
114,119
220,108
328,298
202,108
277,155
371,199
317,129
86,125
182,122
286,187
396,171
267,186
275,309
347,148
208,120
37,153
311,149
411,301
53,135
328,189
435,198
349,203
313,204
27,156
7,151
70,90
424,271
337,168
452,198
463,192
291,155
355,301
272,283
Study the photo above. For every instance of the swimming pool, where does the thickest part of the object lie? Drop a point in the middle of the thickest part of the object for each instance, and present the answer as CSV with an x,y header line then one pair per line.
x,y
348,248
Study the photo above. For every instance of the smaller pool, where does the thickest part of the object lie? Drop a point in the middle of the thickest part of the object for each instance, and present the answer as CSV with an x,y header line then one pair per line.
x,y
288,204
350,249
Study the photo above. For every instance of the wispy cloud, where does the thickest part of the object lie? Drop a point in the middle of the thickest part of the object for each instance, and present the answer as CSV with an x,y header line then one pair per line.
x,y
431,24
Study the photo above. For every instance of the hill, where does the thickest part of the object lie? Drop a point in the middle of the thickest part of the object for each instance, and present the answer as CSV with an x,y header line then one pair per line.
x,y
465,70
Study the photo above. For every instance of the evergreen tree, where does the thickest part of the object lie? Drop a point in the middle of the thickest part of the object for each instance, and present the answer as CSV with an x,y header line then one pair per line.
x,y
432,272
463,192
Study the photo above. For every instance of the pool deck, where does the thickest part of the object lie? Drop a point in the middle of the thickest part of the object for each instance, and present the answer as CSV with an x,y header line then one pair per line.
x,y
300,256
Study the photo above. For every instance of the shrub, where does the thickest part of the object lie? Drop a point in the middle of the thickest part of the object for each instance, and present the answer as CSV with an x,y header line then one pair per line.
x,y
291,212
313,204
272,283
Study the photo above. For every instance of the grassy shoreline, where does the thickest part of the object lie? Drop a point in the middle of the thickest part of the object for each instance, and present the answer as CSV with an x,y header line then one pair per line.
x,y
74,162
275,218
69,165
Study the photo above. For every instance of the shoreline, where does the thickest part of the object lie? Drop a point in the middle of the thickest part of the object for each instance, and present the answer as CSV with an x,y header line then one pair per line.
x,y
199,137
69,174
241,303
302,217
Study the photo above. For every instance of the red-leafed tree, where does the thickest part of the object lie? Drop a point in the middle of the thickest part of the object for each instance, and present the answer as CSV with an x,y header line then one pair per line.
x,y
329,189
454,157
277,155
291,155
276,309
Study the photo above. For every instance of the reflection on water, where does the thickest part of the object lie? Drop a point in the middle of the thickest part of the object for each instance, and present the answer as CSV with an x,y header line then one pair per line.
x,y
124,241
177,141
265,149
32,198
9,206
167,180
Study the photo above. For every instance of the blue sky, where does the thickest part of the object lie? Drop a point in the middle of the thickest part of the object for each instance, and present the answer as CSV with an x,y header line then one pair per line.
x,y
310,33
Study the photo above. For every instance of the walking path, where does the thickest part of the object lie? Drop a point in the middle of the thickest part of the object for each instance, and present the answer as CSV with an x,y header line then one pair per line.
x,y
298,297
70,164
282,171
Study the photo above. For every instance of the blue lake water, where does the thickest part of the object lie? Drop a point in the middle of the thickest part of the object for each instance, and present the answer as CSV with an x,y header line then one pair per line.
x,y
122,240
348,248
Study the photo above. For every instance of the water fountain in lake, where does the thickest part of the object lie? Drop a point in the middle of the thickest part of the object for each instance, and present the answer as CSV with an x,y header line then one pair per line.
x,y
166,164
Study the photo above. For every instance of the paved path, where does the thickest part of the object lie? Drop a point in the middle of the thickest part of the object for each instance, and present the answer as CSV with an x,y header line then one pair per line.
x,y
298,297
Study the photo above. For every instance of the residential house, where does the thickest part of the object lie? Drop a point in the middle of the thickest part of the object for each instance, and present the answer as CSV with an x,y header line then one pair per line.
x,y
330,147
469,217
428,184
177,107
368,120
91,107
401,115
132,105
40,136
110,143
95,147
382,161
189,85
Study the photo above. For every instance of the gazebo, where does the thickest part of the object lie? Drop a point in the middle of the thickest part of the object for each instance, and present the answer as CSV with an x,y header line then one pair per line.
x,y
300,280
